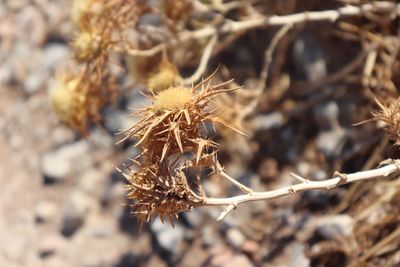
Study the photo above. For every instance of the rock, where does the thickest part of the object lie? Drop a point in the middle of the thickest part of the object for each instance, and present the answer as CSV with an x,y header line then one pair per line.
x,y
268,121
45,211
53,54
250,247
221,256
75,212
92,182
101,139
61,135
296,256
101,231
331,142
195,218
169,238
335,227
327,115
7,76
238,261
331,227
34,82
114,193
209,235
315,199
58,164
55,168
49,245
128,259
309,57
235,238
33,25
116,120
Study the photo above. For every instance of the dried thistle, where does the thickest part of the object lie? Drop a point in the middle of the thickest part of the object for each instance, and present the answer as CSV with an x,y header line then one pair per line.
x,y
89,46
165,76
160,190
77,100
390,115
172,142
172,124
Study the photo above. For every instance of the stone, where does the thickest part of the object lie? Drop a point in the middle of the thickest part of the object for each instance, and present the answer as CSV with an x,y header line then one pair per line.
x,y
195,218
238,261
235,238
335,226
331,142
327,115
169,238
296,256
92,182
58,164
309,57
45,211
75,212
53,54
50,245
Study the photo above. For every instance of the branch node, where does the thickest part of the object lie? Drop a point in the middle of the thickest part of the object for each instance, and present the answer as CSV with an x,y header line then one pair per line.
x,y
343,177
228,209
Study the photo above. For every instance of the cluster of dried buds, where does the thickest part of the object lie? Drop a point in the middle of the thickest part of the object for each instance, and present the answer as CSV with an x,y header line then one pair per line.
x,y
102,28
172,135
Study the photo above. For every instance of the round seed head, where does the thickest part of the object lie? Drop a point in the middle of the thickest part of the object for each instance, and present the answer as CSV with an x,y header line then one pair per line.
x,y
174,98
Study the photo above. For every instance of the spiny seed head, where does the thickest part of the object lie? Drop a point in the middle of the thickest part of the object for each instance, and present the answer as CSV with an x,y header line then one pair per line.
x,y
67,101
88,45
159,191
166,76
174,98
390,115
169,133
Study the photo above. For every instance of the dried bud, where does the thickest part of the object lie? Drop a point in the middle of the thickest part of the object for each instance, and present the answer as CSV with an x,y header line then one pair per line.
x,y
166,76
68,101
88,46
390,115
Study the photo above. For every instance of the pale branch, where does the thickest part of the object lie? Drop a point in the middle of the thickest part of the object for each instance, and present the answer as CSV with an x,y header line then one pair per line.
x,y
268,55
263,21
340,179
230,26
205,58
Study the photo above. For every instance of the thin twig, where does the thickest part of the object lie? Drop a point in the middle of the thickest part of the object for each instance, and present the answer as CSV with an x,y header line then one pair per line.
x,y
205,58
263,21
341,179
268,55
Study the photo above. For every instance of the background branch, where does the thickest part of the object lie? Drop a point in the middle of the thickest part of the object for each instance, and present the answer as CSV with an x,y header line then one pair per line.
x,y
339,179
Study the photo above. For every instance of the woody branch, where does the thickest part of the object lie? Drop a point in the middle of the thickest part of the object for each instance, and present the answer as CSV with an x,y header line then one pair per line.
x,y
340,179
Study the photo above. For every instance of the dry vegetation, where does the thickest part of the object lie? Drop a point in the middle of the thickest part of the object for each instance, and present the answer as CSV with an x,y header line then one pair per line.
x,y
286,62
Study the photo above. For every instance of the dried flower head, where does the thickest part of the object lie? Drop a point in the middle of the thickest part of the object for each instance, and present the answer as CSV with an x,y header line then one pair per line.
x,y
77,101
390,115
172,123
171,137
89,45
166,75
68,101
160,191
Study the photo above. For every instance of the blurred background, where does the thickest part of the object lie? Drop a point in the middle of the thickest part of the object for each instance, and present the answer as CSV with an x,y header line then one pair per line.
x,y
62,203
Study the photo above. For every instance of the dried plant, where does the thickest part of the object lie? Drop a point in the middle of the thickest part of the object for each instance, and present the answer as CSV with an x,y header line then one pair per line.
x,y
390,116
